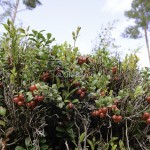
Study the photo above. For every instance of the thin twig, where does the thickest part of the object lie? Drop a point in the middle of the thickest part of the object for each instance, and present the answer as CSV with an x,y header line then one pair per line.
x,y
127,135
9,144
66,143
143,148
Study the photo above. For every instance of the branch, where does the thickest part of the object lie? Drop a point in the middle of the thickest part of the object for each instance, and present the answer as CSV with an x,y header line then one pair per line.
x,y
67,145
21,10
127,136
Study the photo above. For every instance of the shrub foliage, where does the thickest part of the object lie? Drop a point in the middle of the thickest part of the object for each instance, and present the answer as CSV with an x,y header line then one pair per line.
x,y
53,97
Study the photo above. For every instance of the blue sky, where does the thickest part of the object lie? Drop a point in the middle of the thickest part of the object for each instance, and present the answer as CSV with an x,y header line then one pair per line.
x,y
61,17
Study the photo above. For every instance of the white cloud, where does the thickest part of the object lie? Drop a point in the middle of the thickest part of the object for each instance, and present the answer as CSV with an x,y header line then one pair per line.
x,y
116,6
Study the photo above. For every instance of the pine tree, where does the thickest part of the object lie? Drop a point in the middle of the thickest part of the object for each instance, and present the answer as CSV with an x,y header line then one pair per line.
x,y
140,12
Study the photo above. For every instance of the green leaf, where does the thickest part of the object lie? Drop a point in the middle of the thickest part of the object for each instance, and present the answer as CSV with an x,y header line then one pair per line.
x,y
114,147
138,91
40,36
44,87
33,148
44,147
35,32
20,148
29,98
49,35
82,136
75,101
32,39
70,93
48,42
60,105
27,142
43,140
22,30
94,82
121,144
60,129
1,96
107,146
2,123
59,135
2,111
66,101
91,144
113,139
6,27
54,86
59,99
13,71
68,57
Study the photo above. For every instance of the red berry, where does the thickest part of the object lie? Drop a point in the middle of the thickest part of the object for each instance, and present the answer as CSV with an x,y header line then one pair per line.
x,y
104,110
20,103
15,99
96,112
70,105
21,97
28,105
100,111
80,62
114,70
77,84
116,118
148,120
32,103
82,94
83,59
102,115
79,91
119,118
93,113
39,98
148,99
33,87
146,115
45,78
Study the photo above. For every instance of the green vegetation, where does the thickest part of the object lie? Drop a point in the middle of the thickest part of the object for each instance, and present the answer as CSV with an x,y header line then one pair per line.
x,y
52,97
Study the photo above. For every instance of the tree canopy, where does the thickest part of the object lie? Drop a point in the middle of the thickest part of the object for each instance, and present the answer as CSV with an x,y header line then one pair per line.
x,y
140,13
31,4
10,7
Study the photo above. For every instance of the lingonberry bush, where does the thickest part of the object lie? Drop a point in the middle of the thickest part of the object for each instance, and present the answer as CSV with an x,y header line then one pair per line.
x,y
53,97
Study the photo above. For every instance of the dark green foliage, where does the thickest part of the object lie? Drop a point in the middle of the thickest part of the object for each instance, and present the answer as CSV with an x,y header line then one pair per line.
x,y
132,32
140,12
31,4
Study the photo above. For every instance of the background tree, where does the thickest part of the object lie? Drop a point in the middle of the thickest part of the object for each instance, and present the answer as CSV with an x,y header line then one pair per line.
x,y
140,12
10,8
